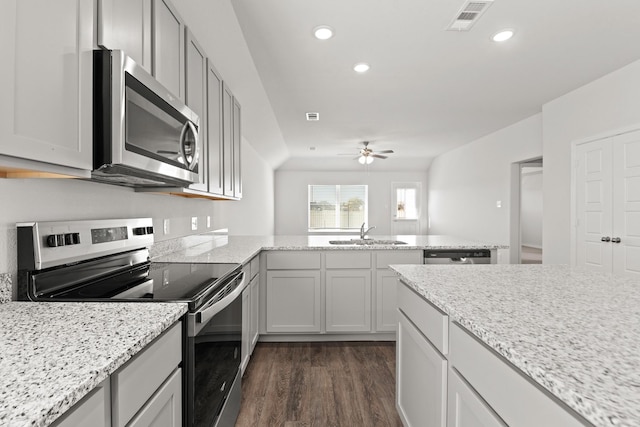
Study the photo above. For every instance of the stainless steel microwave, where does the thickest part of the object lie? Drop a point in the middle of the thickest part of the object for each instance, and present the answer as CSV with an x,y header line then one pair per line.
x,y
143,136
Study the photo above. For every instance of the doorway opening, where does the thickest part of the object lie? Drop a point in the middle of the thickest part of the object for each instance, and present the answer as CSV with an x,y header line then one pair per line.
x,y
526,212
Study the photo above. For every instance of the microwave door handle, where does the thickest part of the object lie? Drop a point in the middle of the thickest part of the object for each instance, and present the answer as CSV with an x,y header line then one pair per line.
x,y
189,126
207,314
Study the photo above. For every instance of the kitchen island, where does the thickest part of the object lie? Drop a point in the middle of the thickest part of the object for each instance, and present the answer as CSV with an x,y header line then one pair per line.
x,y
54,354
573,334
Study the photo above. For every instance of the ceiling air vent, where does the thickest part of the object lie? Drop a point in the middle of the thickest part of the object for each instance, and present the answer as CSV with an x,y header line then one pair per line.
x,y
313,117
469,15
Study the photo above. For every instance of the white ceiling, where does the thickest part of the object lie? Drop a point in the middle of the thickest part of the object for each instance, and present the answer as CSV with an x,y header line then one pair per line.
x,y
428,90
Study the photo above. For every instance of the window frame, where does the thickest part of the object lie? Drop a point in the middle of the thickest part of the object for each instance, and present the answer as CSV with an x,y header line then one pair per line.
x,y
337,209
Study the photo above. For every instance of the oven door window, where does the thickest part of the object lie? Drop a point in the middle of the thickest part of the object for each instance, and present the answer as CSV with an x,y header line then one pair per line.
x,y
216,360
156,130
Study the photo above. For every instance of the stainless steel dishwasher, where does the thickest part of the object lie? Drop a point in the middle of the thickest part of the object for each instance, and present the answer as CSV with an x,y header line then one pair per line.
x,y
457,256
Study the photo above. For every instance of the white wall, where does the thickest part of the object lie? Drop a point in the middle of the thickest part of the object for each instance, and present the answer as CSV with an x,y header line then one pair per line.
x,y
254,214
466,183
607,104
291,196
531,208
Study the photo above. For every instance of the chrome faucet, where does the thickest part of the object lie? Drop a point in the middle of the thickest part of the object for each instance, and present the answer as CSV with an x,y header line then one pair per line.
x,y
363,233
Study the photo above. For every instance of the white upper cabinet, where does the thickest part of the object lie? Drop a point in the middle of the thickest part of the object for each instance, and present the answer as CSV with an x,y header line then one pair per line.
x,y
196,99
237,140
214,131
168,47
126,25
227,140
46,80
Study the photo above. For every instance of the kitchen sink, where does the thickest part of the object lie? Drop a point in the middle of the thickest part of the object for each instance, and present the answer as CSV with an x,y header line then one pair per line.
x,y
367,242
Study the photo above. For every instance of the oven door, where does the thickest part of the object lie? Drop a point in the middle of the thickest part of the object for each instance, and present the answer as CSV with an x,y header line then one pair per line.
x,y
213,357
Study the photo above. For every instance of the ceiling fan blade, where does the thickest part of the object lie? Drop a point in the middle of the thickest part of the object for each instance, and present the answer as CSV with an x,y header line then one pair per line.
x,y
384,151
378,156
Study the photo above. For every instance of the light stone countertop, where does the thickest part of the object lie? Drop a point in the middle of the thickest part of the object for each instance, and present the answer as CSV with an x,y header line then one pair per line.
x,y
574,332
53,354
240,249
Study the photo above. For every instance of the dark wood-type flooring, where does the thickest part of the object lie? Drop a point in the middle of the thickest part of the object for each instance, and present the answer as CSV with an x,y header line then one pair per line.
x,y
320,384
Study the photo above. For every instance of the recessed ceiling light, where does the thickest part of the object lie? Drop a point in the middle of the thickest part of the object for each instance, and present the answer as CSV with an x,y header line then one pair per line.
x,y
361,67
502,36
323,32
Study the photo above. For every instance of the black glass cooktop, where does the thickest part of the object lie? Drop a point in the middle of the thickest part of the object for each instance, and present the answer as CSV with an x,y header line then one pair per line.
x,y
149,281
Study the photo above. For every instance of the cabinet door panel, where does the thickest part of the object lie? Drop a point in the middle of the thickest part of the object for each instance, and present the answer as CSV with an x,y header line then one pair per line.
x,y
246,333
237,142
227,140
168,47
348,305
46,81
255,302
135,382
126,25
293,301
196,82
466,408
386,301
214,131
421,378
164,409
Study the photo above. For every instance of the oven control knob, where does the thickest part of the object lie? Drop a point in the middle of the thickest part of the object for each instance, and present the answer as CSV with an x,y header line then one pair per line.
x,y
52,241
68,239
76,238
149,230
139,231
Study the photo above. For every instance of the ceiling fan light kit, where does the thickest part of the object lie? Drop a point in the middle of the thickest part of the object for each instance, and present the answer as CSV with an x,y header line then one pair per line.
x,y
365,160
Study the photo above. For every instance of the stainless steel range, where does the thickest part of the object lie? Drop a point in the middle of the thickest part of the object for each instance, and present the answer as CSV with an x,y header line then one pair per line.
x,y
108,260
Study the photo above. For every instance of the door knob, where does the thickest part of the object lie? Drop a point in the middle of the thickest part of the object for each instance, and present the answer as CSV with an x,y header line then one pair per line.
x,y
605,239
616,240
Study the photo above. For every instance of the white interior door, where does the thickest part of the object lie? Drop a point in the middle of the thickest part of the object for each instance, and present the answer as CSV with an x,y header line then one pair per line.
x,y
405,208
593,205
626,204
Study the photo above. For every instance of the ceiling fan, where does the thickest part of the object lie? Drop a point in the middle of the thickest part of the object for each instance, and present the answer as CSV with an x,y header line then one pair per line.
x,y
367,155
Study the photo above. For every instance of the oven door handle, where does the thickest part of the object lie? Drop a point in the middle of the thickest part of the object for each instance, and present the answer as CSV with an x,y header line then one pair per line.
x,y
207,313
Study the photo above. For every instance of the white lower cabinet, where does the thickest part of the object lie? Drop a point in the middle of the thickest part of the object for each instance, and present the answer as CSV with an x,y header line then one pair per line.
x,y
348,300
333,292
387,285
445,374
421,378
254,332
145,391
466,408
250,312
140,378
93,410
164,409
246,338
293,301
386,300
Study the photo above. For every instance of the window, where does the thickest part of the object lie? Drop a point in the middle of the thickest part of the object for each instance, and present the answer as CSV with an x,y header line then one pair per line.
x,y
337,207
405,199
